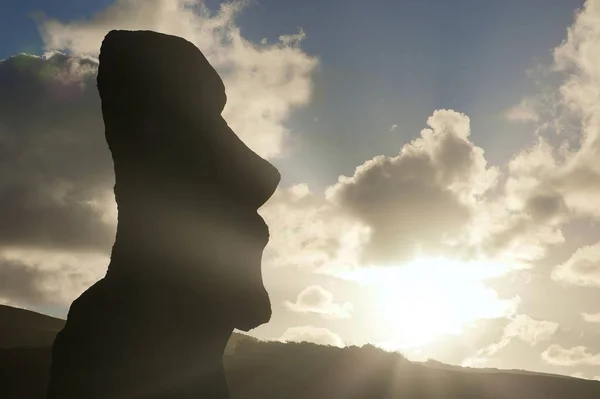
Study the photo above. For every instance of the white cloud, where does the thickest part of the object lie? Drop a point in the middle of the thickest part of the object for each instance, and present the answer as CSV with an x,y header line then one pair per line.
x,y
553,183
317,335
316,299
530,213
521,327
525,111
571,171
293,40
382,215
556,355
591,317
394,127
439,177
264,83
309,232
582,268
529,330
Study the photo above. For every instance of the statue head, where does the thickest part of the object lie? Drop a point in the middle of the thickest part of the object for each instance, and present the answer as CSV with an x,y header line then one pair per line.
x,y
187,188
162,104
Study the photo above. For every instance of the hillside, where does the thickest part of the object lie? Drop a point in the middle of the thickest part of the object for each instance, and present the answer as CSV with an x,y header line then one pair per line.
x,y
23,328
19,327
265,370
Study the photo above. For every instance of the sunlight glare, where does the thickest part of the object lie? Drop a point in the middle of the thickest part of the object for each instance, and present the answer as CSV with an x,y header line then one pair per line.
x,y
429,298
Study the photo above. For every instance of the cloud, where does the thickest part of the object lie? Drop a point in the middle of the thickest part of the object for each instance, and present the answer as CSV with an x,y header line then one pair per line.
x,y
525,111
394,127
437,196
530,213
556,180
570,171
521,327
439,177
264,82
39,278
309,232
529,330
316,299
55,168
292,40
582,268
591,317
317,335
383,214
330,233
56,172
556,355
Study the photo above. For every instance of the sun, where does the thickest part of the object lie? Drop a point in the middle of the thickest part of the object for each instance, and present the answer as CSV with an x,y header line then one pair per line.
x,y
429,298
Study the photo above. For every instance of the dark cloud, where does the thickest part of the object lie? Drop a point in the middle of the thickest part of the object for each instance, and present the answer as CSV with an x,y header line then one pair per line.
x,y
543,206
20,283
422,200
39,278
56,173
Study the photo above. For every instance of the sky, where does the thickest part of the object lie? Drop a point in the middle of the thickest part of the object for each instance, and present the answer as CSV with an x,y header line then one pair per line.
x,y
439,161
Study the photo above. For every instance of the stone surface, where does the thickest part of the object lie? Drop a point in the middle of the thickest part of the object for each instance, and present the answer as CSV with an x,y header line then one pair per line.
x,y
185,268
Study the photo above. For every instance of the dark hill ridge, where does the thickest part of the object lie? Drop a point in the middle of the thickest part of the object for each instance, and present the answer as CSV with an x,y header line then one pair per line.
x,y
265,370
24,328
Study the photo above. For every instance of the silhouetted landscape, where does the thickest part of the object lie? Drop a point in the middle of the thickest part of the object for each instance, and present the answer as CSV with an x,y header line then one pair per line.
x,y
261,369
224,206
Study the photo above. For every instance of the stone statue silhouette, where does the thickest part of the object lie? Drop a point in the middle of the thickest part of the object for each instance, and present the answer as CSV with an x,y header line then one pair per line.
x,y
185,268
